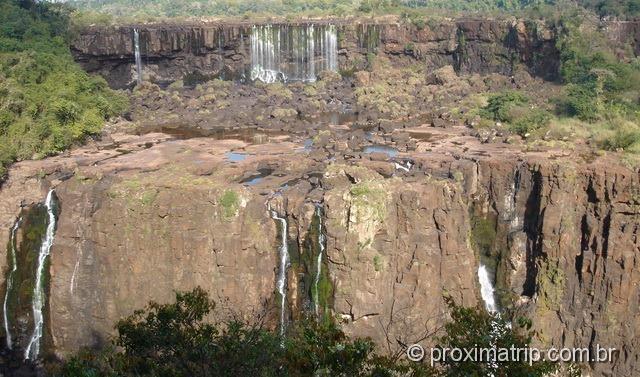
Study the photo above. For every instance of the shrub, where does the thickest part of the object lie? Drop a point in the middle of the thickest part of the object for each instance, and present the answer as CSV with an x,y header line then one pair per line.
x,y
177,340
529,122
599,82
622,138
230,202
475,329
499,105
581,102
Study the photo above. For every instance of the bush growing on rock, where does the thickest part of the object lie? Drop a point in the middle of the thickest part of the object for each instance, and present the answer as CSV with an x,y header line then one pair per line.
x,y
530,121
230,202
514,108
600,83
474,329
500,105
177,340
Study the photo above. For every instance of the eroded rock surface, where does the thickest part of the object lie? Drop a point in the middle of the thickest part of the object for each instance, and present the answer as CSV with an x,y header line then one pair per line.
x,y
152,214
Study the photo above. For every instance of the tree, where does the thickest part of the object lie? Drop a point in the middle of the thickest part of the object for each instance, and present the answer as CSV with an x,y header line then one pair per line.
x,y
471,329
177,340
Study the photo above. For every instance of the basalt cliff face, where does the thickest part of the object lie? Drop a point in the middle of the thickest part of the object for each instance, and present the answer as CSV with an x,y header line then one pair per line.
x,y
173,52
171,215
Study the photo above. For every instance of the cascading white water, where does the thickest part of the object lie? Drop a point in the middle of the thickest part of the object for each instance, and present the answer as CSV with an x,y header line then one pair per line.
x,y
14,267
321,243
292,53
72,284
486,289
488,296
330,48
136,40
284,264
33,348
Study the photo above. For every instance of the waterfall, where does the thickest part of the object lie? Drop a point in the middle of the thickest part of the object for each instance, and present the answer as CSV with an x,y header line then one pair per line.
x,y
488,296
14,267
136,40
221,51
33,348
321,243
292,53
72,284
486,289
282,272
330,48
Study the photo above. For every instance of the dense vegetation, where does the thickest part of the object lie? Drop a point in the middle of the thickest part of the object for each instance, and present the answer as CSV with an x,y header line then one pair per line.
x,y
47,103
153,9
177,340
599,99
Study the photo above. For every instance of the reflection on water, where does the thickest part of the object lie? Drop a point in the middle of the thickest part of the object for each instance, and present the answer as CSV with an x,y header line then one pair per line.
x,y
333,117
252,135
257,178
389,151
235,156
308,145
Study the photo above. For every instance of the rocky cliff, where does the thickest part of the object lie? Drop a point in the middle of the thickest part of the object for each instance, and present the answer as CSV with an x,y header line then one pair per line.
x,y
152,214
174,52
368,197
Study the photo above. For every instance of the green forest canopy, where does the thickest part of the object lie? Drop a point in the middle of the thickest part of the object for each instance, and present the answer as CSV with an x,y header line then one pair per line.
x,y
47,102
201,8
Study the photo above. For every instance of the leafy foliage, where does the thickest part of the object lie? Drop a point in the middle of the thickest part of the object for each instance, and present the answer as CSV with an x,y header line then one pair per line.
x,y
176,340
473,329
500,105
47,103
598,82
531,121
617,8
198,8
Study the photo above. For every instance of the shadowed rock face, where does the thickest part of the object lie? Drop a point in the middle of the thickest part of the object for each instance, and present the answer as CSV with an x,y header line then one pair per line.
x,y
158,214
174,52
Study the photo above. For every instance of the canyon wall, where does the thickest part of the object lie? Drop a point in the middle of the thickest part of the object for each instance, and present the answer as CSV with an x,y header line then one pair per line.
x,y
373,240
174,52
561,237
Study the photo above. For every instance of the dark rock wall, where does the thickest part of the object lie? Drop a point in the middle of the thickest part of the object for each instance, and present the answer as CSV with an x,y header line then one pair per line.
x,y
169,52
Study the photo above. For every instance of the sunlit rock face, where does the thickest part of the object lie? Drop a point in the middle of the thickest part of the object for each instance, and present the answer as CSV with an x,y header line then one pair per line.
x,y
158,214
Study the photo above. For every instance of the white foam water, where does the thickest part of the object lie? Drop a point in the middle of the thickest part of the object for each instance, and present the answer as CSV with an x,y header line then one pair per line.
x,y
33,347
14,268
136,40
292,52
486,289
321,243
282,272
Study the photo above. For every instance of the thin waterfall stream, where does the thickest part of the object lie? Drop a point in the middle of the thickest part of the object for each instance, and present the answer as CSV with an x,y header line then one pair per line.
x,y
487,291
33,347
282,271
321,244
136,41
14,268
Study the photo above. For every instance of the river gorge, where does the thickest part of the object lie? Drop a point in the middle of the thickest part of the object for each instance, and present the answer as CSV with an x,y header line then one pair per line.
x,y
257,162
